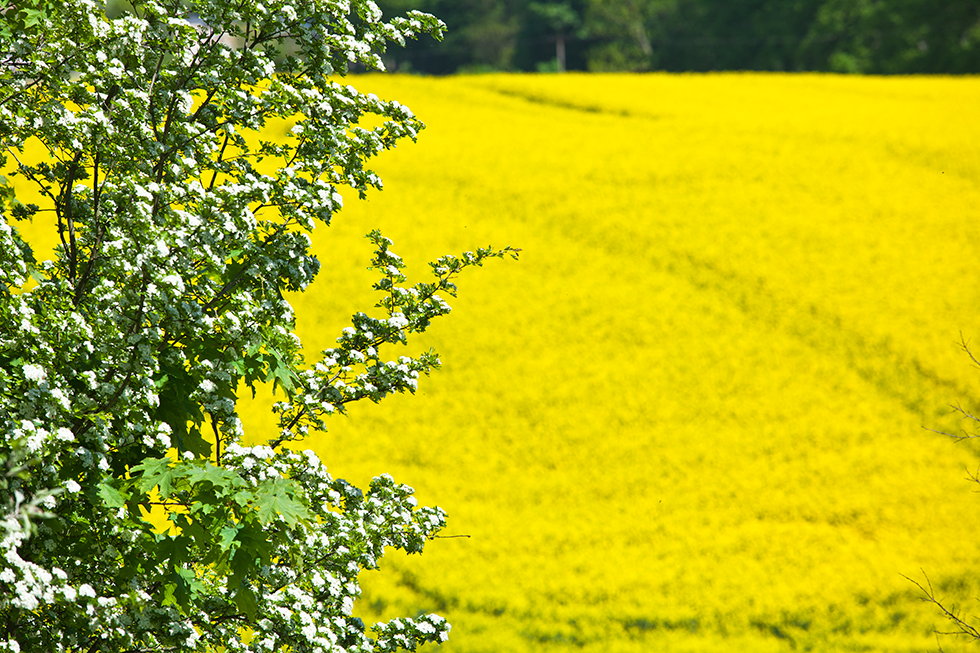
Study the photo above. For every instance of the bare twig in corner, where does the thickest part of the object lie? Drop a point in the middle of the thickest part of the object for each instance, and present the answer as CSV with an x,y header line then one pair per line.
x,y
963,628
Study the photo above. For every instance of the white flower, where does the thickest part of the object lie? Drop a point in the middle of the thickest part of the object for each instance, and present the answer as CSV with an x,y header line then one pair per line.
x,y
62,399
174,281
36,439
115,68
34,373
72,486
186,101
86,590
312,459
91,379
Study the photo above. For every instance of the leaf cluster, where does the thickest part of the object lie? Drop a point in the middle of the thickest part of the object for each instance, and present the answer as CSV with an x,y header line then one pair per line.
x,y
135,516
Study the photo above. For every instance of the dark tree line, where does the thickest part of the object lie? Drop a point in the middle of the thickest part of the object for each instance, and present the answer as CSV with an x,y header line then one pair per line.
x,y
859,36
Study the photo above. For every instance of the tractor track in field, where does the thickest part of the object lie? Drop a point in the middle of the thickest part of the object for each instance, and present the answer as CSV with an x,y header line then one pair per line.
x,y
558,103
905,379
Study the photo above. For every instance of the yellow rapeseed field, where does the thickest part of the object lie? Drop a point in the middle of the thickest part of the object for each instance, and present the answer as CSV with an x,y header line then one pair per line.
x,y
694,416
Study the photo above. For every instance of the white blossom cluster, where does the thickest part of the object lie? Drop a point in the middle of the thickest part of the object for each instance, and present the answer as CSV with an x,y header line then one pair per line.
x,y
121,359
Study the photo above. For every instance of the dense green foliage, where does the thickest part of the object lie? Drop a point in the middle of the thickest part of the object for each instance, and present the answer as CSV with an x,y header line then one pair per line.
x,y
865,36
135,513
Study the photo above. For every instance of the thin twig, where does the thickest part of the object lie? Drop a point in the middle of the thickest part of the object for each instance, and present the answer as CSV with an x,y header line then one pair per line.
x,y
963,626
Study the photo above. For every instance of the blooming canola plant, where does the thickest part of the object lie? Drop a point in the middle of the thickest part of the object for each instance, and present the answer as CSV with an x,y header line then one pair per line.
x,y
692,417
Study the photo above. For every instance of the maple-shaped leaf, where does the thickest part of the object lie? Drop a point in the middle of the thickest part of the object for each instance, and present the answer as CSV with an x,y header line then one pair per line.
x,y
280,372
156,472
227,536
276,497
112,497
224,481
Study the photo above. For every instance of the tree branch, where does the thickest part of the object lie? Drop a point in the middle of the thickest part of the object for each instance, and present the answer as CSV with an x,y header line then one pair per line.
x,y
963,628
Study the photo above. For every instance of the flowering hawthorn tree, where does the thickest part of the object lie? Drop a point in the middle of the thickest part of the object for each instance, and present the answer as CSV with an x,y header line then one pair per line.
x,y
121,360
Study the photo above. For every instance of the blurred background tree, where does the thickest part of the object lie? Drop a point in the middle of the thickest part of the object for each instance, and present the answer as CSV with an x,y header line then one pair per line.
x,y
855,36
897,36
622,33
561,21
483,36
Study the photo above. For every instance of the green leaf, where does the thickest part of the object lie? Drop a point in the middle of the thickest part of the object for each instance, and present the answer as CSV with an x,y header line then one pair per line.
x,y
194,530
226,537
251,367
182,587
253,550
176,385
155,472
276,498
223,481
33,17
245,600
175,550
112,497
279,372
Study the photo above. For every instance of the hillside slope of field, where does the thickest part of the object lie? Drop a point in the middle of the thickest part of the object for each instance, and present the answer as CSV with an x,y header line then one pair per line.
x,y
694,416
